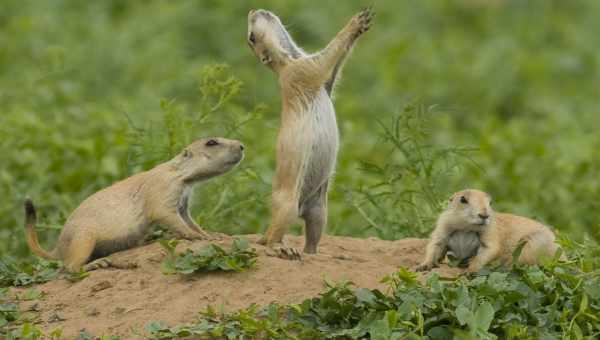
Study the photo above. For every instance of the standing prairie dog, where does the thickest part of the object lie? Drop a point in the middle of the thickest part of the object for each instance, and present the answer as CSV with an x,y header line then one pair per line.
x,y
117,218
308,138
499,233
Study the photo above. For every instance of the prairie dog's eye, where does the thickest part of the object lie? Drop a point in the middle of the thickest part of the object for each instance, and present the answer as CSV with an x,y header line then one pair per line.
x,y
212,142
187,153
252,38
463,200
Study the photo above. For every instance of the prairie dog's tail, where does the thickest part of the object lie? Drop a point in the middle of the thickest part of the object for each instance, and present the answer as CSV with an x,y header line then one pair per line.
x,y
31,235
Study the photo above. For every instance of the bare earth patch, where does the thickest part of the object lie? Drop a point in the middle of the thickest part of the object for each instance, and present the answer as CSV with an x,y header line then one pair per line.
x,y
121,302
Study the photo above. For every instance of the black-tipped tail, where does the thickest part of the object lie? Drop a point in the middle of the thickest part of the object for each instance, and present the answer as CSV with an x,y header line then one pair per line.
x,y
32,240
30,215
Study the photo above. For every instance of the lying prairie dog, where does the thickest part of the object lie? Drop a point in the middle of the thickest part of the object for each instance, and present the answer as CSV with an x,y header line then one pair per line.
x,y
499,233
117,218
308,139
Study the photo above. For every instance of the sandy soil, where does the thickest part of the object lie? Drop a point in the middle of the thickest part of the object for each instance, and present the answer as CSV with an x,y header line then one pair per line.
x,y
121,302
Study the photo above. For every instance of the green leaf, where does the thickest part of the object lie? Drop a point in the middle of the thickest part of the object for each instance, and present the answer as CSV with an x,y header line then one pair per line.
x,y
517,252
484,316
464,315
30,294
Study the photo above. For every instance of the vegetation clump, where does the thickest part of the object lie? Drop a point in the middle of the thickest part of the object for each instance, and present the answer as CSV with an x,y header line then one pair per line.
x,y
210,258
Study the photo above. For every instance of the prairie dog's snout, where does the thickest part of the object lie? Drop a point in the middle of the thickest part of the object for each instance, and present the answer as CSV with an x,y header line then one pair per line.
x,y
256,13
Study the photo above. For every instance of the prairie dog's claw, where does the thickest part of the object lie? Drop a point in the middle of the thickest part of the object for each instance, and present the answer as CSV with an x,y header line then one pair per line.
x,y
283,252
423,267
106,262
363,20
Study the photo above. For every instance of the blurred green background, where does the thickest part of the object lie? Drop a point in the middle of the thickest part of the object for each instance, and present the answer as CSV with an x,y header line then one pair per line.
x,y
437,96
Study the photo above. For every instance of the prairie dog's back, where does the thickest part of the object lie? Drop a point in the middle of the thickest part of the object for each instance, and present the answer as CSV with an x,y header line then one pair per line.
x,y
512,229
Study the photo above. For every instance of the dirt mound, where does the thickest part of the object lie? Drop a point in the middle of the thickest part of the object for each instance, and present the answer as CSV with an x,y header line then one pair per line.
x,y
121,302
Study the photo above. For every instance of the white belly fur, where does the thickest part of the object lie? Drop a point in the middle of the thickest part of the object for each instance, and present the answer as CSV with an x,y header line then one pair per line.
x,y
321,144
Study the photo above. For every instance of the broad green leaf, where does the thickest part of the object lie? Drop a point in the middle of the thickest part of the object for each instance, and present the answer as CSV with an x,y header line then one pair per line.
x,y
484,316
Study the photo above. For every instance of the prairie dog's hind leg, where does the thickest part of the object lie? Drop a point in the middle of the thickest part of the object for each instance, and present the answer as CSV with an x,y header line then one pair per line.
x,y
284,213
315,219
78,252
539,244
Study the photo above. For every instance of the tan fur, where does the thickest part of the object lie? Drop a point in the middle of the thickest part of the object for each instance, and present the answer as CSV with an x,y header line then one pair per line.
x,y
500,234
308,137
117,217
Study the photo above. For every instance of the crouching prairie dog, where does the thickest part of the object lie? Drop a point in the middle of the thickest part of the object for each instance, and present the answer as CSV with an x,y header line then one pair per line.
x,y
469,214
117,218
308,139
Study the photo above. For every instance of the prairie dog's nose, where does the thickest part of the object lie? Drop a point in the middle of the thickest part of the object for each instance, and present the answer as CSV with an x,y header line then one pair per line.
x,y
483,217
242,147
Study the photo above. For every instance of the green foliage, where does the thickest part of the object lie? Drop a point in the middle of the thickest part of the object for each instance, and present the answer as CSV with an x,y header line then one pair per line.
x,y
17,324
412,184
210,258
23,273
552,301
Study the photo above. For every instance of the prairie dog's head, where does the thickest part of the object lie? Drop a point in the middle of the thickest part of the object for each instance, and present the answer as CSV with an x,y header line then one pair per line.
x,y
269,39
208,157
471,207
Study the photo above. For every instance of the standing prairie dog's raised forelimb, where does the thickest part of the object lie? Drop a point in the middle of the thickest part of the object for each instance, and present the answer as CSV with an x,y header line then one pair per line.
x,y
117,218
308,138
327,63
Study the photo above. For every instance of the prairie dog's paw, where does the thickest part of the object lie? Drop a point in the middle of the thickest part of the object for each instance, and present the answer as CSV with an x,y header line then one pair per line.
x,y
361,22
471,269
283,252
107,262
198,235
262,241
423,267
216,236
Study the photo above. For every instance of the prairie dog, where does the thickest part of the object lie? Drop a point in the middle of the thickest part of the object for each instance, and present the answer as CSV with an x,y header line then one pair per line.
x,y
116,218
499,233
308,138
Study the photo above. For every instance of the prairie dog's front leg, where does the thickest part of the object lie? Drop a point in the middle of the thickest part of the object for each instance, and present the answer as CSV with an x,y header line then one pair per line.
x,y
483,257
329,60
488,251
436,249
181,226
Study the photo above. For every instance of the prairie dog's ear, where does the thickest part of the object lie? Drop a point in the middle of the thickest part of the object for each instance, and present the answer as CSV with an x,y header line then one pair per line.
x,y
186,153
